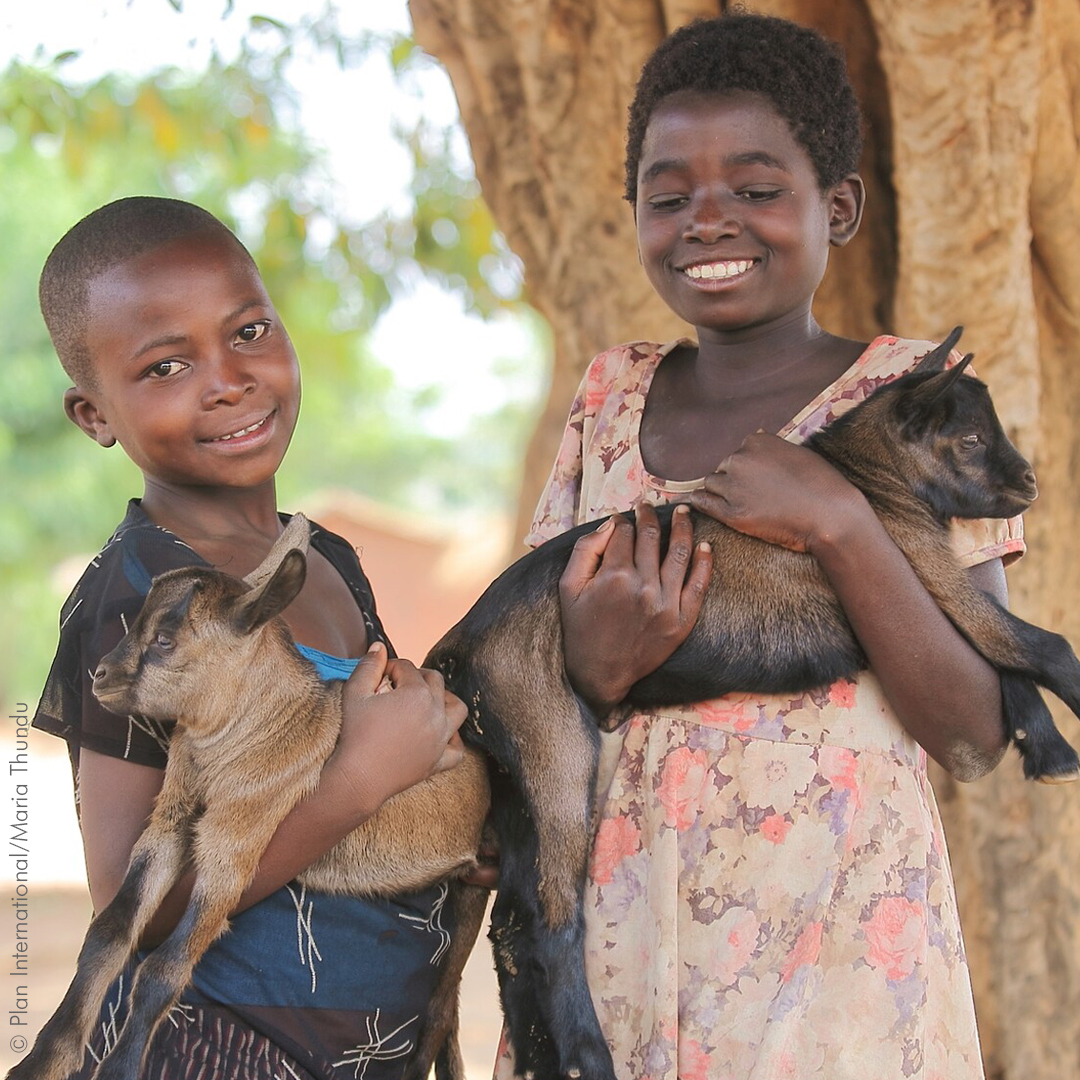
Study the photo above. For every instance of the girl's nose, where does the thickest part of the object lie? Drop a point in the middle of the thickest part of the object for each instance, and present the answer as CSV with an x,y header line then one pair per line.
x,y
711,220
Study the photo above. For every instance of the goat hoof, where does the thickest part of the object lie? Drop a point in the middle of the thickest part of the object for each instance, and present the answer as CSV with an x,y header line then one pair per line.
x,y
1059,778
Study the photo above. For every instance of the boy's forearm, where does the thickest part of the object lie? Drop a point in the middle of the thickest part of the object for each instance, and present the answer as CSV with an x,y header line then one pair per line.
x,y
307,832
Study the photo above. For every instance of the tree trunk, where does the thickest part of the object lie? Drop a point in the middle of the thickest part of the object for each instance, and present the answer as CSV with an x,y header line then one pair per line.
x,y
973,217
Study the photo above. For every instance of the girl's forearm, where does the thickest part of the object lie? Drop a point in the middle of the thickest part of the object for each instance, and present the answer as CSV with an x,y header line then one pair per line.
x,y
943,692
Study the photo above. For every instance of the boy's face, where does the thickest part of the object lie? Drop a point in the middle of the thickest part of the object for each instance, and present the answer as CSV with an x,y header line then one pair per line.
x,y
733,228
196,377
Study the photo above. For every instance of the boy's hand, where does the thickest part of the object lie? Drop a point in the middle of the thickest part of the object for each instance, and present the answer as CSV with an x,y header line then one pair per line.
x,y
780,492
623,611
400,726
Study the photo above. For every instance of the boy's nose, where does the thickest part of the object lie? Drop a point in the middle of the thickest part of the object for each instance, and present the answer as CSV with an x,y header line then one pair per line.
x,y
229,382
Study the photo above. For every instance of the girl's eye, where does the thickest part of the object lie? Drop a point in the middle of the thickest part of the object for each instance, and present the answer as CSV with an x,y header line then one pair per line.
x,y
164,368
760,194
667,202
253,331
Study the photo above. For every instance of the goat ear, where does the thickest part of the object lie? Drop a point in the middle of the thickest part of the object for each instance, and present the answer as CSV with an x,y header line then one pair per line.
x,y
296,535
259,605
916,409
939,357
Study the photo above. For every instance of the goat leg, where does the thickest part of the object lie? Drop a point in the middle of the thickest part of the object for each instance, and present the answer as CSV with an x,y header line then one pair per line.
x,y
438,1038
1031,729
515,918
1028,652
1041,656
1045,657
229,841
157,861
544,824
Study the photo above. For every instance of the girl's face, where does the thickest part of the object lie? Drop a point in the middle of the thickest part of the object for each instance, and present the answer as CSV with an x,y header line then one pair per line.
x,y
733,228
196,376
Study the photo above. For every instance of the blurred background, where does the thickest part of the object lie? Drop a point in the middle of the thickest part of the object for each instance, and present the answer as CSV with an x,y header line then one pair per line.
x,y
333,147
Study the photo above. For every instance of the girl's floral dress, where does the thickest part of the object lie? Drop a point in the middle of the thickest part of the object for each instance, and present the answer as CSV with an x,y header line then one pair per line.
x,y
770,895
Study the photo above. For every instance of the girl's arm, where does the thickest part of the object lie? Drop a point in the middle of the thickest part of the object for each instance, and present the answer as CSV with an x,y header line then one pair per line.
x,y
388,742
944,693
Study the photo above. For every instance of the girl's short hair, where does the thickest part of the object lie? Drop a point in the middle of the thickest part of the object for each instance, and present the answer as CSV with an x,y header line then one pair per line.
x,y
800,71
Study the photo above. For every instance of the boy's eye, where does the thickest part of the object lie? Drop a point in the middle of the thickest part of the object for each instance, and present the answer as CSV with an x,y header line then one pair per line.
x,y
253,331
164,368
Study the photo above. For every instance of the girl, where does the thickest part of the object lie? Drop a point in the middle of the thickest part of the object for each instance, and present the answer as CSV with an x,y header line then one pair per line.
x,y
770,894
160,317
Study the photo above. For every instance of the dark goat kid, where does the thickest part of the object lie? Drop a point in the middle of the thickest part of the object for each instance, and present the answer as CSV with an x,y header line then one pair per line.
x,y
924,448
254,725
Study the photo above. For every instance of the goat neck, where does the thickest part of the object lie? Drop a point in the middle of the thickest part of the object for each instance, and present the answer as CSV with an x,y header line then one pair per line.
x,y
269,680
876,461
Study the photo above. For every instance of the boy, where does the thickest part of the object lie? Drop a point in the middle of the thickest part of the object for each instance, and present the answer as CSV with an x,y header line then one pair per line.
x,y
160,317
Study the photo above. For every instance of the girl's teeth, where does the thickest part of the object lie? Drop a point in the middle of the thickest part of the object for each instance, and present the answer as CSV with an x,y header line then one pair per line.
x,y
712,271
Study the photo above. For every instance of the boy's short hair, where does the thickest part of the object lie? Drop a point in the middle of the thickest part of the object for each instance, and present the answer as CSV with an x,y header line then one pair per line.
x,y
110,235
801,72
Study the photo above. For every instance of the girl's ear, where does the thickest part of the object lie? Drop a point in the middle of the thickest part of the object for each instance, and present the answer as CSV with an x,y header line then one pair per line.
x,y
82,410
846,202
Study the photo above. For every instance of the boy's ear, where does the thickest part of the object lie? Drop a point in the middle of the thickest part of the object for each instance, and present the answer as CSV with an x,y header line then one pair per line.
x,y
82,410
846,202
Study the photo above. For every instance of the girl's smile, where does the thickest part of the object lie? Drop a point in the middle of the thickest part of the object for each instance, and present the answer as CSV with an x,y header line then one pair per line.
x,y
718,271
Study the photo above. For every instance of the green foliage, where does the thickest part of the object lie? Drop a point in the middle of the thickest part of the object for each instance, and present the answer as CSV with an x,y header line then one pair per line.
x,y
227,138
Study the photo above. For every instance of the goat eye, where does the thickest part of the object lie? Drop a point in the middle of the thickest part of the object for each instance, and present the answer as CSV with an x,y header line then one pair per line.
x,y
163,642
969,442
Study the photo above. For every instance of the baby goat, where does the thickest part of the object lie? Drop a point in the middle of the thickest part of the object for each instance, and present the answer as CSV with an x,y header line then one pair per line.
x,y
255,724
923,449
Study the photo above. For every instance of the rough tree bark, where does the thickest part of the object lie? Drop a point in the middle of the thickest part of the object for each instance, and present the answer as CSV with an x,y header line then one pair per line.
x,y
971,163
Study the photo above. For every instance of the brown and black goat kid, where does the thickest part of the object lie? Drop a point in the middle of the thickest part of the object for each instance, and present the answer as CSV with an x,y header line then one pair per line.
x,y
924,449
255,723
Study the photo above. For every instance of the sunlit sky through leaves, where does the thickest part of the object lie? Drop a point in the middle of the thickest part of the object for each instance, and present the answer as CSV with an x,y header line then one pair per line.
x,y
426,337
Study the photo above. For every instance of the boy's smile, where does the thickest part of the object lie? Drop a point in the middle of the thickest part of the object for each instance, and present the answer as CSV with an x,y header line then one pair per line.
x,y
196,376
733,228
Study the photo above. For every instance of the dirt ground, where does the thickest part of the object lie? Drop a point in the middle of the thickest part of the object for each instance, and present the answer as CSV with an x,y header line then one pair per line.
x,y
60,916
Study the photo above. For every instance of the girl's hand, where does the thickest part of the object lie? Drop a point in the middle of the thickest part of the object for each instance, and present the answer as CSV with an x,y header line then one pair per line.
x,y
781,493
400,726
624,612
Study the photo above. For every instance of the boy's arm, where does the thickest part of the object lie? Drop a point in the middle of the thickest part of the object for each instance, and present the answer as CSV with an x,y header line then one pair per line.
x,y
389,742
